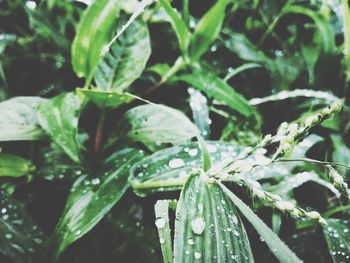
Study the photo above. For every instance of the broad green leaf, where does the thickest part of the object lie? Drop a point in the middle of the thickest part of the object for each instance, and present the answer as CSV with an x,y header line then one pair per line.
x,y
216,88
346,30
337,236
93,34
126,58
178,25
15,166
207,30
200,112
18,120
155,125
107,99
161,209
6,39
91,198
168,169
20,236
59,118
341,153
208,227
276,245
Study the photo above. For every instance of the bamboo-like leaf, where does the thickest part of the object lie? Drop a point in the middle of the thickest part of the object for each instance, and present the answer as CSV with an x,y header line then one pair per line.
x,y
59,118
20,236
168,169
91,198
18,120
93,34
208,227
216,88
107,99
126,58
155,125
207,30
161,209
178,25
277,246
15,166
337,236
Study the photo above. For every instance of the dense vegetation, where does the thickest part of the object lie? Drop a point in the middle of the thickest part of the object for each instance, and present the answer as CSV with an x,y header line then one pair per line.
x,y
174,131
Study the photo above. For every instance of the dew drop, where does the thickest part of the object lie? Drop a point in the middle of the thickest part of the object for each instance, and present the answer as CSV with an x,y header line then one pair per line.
x,y
8,236
176,163
198,225
95,181
160,222
197,255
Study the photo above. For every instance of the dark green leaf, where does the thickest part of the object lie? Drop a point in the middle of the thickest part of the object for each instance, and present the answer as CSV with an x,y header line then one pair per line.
x,y
178,25
126,58
276,245
207,30
168,169
93,34
218,89
12,165
91,198
208,227
20,237
18,120
200,112
341,153
59,118
107,99
338,239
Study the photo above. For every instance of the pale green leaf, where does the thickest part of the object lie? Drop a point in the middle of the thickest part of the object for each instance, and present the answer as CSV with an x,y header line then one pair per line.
x,y
15,166
208,227
126,58
59,117
18,120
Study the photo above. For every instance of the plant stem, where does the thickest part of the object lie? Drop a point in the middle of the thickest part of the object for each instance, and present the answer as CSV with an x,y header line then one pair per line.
x,y
99,133
312,161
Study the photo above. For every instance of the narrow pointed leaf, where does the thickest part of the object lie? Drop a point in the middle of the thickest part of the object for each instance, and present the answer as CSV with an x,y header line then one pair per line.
x,y
337,236
126,58
59,118
207,30
91,198
276,245
178,25
93,34
20,236
12,165
18,120
207,226
216,88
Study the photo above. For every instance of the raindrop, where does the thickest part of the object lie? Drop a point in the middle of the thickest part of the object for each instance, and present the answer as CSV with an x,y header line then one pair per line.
x,y
198,225
95,181
176,163
197,255
190,241
193,152
162,240
160,222
8,236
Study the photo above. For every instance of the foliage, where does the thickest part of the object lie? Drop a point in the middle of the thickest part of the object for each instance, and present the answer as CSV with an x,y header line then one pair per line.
x,y
229,118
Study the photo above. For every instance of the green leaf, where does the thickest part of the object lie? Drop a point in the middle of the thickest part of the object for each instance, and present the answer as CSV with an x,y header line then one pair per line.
x,y
18,120
93,34
207,30
216,88
240,45
91,198
59,118
20,236
337,236
168,169
208,227
161,209
200,111
324,27
15,166
276,245
341,153
155,125
107,99
126,58
178,25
